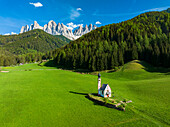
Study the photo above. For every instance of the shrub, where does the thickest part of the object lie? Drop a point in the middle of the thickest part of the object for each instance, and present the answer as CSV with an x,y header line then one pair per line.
x,y
122,107
125,100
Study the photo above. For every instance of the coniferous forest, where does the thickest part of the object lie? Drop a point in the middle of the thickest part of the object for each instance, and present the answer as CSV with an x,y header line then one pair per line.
x,y
145,37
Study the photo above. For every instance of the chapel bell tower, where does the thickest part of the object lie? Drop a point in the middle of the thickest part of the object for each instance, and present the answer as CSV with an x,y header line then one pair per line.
x,y
99,82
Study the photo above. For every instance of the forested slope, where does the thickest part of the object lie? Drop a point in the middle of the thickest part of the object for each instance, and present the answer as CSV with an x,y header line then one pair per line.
x,y
29,47
32,41
145,37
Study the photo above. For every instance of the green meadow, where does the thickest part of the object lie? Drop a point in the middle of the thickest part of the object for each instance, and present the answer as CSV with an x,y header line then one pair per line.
x,y
35,96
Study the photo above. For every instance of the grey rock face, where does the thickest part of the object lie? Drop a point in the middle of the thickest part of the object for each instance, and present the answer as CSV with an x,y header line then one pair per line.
x,y
59,29
24,29
81,31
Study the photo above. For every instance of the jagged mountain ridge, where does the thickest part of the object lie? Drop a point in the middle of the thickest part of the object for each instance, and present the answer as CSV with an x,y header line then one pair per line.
x,y
60,29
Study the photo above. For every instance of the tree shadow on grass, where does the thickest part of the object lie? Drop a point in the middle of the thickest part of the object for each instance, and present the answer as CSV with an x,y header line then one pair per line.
x,y
86,96
52,63
151,68
146,66
78,93
102,103
168,73
95,102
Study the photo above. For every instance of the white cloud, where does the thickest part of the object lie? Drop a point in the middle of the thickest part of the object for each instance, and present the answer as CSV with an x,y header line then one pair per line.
x,y
7,34
12,33
74,14
70,28
38,4
98,22
71,25
79,9
156,9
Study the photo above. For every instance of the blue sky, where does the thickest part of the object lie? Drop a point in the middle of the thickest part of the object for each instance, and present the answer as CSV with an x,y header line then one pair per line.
x,y
17,13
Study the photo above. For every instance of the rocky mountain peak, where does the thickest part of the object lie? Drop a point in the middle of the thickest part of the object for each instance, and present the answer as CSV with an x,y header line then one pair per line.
x,y
62,25
51,23
59,24
59,29
90,27
36,24
94,26
86,26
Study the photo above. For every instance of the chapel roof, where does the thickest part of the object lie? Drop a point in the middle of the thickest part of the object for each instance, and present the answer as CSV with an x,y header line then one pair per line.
x,y
104,86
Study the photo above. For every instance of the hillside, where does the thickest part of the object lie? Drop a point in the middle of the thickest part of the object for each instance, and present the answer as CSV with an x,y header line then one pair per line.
x,y
137,65
32,95
29,47
61,37
6,58
145,37
136,70
31,42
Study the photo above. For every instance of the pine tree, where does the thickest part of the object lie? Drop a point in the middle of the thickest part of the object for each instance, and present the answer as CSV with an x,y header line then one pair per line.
x,y
121,61
112,62
81,59
93,66
134,52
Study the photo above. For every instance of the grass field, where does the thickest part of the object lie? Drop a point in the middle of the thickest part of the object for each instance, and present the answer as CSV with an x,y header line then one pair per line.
x,y
34,96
